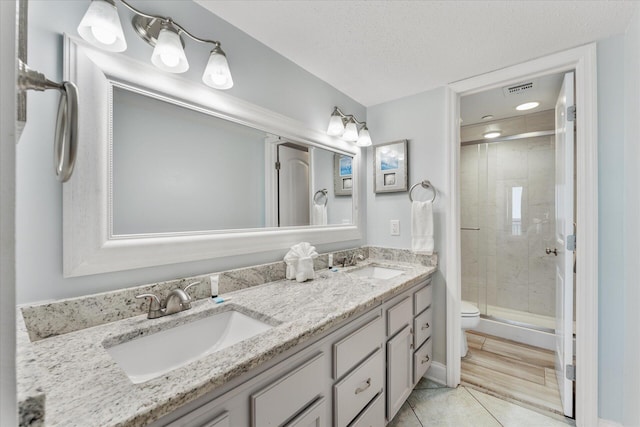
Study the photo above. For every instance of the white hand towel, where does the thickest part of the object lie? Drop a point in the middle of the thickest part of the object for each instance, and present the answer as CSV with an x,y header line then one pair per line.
x,y
422,227
319,215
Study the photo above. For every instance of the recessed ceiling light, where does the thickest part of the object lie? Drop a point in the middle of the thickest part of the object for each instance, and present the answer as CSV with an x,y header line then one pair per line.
x,y
487,117
527,106
492,134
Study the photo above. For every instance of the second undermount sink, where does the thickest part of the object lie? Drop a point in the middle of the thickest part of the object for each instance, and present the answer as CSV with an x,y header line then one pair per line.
x,y
150,356
377,272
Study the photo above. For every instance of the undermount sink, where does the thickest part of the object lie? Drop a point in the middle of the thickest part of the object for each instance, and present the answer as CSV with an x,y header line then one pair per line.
x,y
150,356
377,272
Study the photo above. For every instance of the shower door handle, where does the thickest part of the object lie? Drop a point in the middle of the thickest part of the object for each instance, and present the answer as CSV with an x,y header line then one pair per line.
x,y
551,251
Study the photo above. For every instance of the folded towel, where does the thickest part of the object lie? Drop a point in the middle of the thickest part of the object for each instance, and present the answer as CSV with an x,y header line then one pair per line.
x,y
422,227
319,215
299,262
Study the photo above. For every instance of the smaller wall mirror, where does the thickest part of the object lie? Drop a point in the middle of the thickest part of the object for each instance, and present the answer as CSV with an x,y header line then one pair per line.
x,y
170,171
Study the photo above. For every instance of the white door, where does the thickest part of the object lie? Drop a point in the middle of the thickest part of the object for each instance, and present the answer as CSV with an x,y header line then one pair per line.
x,y
564,229
293,186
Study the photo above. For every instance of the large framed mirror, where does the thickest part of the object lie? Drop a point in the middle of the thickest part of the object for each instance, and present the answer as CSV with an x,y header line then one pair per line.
x,y
170,171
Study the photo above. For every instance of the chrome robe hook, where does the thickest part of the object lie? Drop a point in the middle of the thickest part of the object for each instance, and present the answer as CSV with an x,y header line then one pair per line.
x,y
66,136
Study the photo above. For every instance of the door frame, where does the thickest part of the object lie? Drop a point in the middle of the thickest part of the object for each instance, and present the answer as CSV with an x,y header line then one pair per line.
x,y
583,60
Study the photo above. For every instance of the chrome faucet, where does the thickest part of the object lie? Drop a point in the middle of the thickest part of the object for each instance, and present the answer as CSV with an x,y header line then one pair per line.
x,y
178,300
350,260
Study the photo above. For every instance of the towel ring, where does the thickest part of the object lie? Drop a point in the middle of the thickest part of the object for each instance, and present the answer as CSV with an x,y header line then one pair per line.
x,y
424,184
320,193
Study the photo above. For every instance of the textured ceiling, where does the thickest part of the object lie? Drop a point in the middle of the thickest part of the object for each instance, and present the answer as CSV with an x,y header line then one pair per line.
x,y
377,51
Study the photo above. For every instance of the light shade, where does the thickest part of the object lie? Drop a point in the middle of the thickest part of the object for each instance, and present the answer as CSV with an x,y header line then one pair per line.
x,y
168,55
217,73
101,27
364,139
350,131
336,126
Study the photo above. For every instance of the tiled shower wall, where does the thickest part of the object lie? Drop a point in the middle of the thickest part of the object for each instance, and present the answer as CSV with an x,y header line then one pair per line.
x,y
507,191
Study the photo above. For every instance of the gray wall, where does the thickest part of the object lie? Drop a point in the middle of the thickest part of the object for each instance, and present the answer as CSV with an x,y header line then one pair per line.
x,y
260,75
420,119
631,396
611,232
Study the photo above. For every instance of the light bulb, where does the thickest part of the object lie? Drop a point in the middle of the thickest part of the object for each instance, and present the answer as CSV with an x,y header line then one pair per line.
x,y
527,106
350,132
217,73
103,35
170,59
364,139
101,26
492,134
168,55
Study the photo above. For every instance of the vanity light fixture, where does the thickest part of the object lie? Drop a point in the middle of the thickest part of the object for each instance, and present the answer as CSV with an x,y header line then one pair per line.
x,y
527,106
492,134
346,126
101,27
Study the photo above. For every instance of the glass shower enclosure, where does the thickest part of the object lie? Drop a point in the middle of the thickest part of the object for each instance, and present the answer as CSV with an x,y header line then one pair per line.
x,y
507,200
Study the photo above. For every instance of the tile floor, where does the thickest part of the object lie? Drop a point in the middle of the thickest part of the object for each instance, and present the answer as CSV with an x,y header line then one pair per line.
x,y
432,404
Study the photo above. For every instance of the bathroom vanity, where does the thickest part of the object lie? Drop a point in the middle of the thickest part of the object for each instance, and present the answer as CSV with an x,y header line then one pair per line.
x,y
344,349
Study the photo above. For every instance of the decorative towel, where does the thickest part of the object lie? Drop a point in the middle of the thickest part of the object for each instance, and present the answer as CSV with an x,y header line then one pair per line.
x,y
299,262
422,227
319,215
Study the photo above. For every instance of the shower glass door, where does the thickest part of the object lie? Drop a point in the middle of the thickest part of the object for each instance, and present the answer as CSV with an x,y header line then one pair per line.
x,y
507,217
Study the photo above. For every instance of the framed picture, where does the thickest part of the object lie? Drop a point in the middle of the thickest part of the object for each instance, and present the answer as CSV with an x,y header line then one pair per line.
x,y
390,167
342,175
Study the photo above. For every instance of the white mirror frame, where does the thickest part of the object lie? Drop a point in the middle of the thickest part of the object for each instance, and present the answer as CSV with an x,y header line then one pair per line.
x,y
90,247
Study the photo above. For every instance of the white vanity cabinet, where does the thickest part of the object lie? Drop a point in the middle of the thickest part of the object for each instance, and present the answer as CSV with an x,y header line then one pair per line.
x,y
357,375
409,322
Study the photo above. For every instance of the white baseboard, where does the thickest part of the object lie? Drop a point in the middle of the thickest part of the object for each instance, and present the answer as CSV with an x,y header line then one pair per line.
x,y
437,372
608,423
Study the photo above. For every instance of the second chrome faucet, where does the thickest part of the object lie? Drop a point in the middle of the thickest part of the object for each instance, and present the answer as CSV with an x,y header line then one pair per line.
x,y
178,300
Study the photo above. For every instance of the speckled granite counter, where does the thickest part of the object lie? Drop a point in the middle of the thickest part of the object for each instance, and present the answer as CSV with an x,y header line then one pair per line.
x,y
85,387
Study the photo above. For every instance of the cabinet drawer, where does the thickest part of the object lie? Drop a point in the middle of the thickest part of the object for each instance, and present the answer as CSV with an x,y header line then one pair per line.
x,y
355,347
398,316
422,298
373,416
357,389
422,360
422,326
313,416
285,397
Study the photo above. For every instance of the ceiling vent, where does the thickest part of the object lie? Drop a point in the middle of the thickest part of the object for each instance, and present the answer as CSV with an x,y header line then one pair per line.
x,y
520,88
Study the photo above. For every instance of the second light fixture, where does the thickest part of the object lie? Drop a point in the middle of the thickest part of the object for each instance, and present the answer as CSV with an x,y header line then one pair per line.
x,y
346,126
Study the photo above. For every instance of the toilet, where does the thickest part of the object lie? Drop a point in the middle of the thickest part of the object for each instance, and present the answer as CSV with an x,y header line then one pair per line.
x,y
470,319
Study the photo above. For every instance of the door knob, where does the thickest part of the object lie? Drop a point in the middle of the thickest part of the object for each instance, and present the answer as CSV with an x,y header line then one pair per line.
x,y
551,251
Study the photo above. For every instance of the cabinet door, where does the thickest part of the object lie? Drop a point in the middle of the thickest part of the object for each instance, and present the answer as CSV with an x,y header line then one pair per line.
x,y
399,370
313,416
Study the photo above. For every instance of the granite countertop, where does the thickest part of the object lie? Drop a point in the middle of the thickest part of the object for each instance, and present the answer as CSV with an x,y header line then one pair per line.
x,y
85,387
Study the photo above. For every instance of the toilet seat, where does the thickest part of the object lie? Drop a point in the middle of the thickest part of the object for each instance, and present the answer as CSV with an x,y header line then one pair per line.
x,y
469,310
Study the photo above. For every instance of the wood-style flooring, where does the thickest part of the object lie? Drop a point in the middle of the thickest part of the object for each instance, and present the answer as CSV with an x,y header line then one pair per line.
x,y
512,371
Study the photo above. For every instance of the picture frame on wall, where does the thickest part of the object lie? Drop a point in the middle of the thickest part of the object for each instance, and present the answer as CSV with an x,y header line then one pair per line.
x,y
342,175
390,162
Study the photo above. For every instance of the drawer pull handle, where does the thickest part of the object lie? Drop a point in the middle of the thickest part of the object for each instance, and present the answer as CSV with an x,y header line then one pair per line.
x,y
425,360
425,326
364,387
